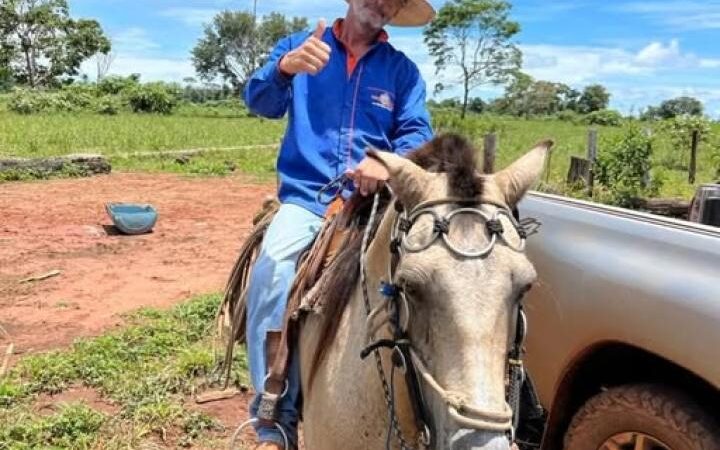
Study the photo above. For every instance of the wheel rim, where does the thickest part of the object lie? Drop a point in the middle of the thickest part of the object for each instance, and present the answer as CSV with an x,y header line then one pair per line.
x,y
633,441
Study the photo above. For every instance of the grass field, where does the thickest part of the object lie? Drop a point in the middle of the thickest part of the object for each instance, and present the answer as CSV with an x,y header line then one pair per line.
x,y
141,375
121,137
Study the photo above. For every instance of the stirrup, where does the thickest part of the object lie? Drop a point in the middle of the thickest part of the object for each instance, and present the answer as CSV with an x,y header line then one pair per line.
x,y
236,434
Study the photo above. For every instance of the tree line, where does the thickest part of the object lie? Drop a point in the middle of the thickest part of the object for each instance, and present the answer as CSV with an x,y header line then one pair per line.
x,y
472,44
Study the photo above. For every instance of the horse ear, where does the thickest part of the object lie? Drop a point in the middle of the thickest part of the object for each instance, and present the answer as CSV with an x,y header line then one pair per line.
x,y
515,180
407,180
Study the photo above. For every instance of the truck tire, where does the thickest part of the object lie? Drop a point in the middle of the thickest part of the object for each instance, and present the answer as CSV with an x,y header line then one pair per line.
x,y
643,416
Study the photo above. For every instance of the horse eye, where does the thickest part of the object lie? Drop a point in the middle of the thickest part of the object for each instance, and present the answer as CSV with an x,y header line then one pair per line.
x,y
408,287
405,285
525,289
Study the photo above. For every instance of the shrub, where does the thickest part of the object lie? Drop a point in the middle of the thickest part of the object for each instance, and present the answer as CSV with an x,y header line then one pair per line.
x,y
680,131
69,98
681,128
108,104
73,98
7,79
568,115
152,98
623,167
605,117
23,101
115,84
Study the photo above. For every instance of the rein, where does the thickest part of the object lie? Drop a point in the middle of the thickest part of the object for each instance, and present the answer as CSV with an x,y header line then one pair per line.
x,y
404,356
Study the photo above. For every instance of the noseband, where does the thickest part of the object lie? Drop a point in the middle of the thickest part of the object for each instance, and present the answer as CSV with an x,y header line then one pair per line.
x,y
395,311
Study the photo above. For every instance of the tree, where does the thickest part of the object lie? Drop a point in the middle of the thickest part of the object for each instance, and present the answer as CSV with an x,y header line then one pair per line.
x,y
516,92
103,61
681,106
569,97
474,37
594,98
544,98
40,43
6,78
526,97
234,45
476,105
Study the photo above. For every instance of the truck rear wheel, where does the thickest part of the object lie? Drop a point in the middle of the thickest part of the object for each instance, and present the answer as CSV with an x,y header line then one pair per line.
x,y
642,417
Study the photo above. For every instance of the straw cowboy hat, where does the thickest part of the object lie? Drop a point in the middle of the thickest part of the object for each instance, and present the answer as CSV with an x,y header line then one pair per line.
x,y
415,13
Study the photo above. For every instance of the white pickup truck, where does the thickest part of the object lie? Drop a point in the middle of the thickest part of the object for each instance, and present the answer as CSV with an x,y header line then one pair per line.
x,y
624,328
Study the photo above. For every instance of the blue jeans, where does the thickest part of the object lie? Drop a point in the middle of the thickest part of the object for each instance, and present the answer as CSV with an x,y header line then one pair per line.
x,y
291,231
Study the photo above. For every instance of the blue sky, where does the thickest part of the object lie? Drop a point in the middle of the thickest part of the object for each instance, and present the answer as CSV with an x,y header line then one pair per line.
x,y
643,51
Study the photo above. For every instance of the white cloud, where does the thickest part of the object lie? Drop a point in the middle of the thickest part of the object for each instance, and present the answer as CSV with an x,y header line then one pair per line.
x,y
579,64
150,69
678,14
615,67
303,8
656,53
543,11
134,39
635,97
710,63
154,69
193,17
671,57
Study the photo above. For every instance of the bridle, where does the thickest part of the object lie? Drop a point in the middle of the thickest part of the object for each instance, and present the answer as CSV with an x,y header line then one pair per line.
x,y
404,355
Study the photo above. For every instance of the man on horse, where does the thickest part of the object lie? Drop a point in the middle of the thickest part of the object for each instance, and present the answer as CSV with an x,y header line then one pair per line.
x,y
344,88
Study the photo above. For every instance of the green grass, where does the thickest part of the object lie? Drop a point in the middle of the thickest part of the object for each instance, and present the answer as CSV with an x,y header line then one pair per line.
x,y
146,371
59,134
258,162
227,130
515,136
120,138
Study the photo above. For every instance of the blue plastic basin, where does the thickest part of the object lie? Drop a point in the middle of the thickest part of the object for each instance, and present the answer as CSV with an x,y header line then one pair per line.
x,y
132,218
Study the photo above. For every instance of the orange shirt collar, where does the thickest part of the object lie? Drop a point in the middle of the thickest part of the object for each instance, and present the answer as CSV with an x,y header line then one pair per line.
x,y
351,58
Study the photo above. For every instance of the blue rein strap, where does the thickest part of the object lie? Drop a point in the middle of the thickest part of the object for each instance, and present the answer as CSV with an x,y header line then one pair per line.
x,y
333,189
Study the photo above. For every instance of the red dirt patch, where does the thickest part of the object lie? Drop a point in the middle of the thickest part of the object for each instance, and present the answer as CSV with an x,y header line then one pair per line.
x,y
230,413
62,224
48,404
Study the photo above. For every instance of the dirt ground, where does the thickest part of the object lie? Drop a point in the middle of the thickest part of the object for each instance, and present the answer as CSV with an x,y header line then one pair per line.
x,y
62,225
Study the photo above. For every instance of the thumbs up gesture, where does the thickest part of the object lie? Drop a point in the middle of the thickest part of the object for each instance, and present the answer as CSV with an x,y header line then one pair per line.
x,y
311,57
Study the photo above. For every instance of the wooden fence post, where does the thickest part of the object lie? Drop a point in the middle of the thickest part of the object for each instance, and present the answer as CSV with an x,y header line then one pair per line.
x,y
693,156
646,176
489,152
548,167
591,157
579,170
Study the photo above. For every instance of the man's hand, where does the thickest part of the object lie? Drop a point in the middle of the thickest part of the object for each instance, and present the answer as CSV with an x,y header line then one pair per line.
x,y
311,57
369,176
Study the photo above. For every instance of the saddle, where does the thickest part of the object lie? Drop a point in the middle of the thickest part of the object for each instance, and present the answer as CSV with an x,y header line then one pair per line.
x,y
231,320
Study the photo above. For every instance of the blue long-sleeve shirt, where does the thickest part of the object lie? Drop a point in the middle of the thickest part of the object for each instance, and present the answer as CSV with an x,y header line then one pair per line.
x,y
335,115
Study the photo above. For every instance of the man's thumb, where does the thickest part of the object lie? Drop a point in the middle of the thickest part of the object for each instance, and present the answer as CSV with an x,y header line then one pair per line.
x,y
320,29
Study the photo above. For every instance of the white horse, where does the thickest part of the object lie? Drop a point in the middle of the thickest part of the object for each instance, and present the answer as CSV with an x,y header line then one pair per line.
x,y
460,279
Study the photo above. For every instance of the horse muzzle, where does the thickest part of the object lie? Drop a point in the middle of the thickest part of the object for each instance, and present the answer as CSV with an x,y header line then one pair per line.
x,y
478,440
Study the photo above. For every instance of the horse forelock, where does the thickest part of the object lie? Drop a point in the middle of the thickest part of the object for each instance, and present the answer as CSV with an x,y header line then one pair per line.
x,y
455,156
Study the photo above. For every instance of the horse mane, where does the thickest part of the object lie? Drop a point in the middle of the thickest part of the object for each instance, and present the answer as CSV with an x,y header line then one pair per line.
x,y
449,153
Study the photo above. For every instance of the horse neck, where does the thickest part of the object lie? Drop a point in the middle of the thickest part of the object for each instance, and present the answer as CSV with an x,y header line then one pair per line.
x,y
347,389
